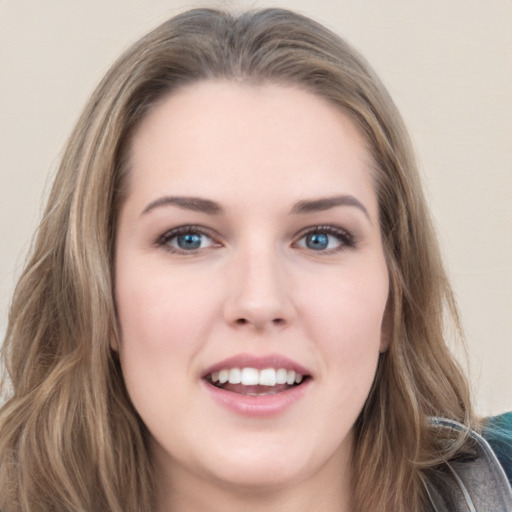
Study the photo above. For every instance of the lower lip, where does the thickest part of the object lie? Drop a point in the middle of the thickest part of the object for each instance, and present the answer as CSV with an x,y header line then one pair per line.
x,y
261,405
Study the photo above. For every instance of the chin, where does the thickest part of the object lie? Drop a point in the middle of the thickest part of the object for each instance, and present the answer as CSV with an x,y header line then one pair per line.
x,y
266,466
261,476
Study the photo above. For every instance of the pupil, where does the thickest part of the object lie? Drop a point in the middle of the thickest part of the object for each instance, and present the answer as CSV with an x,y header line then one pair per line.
x,y
317,241
189,241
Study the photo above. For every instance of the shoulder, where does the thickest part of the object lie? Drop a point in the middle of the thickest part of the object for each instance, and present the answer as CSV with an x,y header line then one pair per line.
x,y
498,433
474,479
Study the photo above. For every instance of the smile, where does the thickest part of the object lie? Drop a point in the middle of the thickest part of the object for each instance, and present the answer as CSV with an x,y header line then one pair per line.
x,y
257,385
254,382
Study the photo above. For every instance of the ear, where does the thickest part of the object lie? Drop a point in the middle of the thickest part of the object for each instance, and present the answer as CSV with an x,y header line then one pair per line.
x,y
114,345
387,327
114,341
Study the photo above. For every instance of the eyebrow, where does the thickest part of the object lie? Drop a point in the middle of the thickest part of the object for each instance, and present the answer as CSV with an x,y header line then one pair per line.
x,y
195,204
198,204
320,205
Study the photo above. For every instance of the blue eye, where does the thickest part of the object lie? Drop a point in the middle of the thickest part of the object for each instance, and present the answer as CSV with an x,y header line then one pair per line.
x,y
317,241
185,239
189,241
326,239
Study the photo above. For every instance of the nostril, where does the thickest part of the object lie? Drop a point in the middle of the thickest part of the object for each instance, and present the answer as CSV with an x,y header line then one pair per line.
x,y
244,321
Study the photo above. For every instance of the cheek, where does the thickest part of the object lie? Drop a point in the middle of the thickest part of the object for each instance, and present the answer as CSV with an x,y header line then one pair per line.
x,y
165,320
162,326
351,310
161,310
345,318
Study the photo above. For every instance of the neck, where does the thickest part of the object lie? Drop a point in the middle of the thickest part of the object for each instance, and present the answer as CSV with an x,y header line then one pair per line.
x,y
326,491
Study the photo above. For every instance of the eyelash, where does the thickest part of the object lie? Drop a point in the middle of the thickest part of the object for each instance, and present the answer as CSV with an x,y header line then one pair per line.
x,y
346,240
165,239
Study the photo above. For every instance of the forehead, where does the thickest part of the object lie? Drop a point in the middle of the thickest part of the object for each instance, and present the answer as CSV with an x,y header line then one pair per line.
x,y
218,137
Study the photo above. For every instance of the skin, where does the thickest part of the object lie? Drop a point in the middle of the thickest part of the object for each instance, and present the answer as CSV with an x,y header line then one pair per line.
x,y
253,287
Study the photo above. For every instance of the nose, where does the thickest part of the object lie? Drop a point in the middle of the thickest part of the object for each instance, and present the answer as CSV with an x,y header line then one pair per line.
x,y
259,293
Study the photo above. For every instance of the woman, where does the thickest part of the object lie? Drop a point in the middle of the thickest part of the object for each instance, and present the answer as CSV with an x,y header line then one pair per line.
x,y
236,288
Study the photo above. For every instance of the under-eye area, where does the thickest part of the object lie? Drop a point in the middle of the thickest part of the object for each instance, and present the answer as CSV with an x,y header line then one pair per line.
x,y
254,382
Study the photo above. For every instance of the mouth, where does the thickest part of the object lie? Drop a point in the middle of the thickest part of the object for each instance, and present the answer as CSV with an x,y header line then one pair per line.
x,y
255,382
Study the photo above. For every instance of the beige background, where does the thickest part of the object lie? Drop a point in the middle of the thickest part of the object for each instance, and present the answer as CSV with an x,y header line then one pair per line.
x,y
447,63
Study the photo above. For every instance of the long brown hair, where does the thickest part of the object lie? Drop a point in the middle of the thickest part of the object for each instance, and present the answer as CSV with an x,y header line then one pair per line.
x,y
70,438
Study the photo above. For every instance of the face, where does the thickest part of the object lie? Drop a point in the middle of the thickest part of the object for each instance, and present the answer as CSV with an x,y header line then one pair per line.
x,y
248,250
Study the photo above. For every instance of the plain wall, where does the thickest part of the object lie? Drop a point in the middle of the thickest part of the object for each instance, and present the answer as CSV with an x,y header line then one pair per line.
x,y
447,63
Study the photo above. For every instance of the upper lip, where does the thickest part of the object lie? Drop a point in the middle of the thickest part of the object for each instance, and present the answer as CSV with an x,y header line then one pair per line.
x,y
258,362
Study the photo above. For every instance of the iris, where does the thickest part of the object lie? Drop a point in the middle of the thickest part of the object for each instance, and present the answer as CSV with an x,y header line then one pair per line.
x,y
317,241
189,241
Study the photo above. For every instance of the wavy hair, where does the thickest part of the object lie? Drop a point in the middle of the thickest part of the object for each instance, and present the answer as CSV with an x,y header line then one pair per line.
x,y
70,439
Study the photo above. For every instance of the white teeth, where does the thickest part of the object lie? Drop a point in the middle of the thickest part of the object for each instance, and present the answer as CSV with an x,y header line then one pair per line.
x,y
281,376
267,377
235,376
253,377
290,377
250,376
